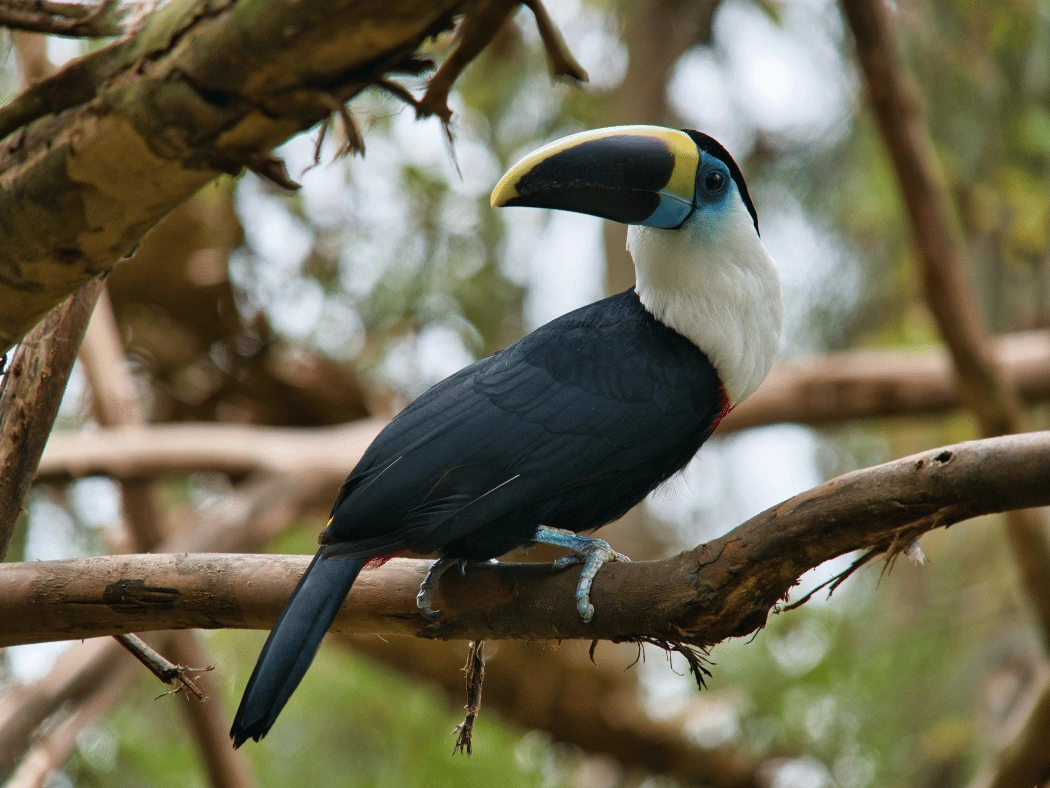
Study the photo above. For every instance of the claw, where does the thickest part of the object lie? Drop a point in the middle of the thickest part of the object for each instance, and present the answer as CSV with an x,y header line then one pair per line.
x,y
566,561
592,553
430,584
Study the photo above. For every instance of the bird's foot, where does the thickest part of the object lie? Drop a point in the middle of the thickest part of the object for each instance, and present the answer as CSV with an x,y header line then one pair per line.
x,y
592,553
430,584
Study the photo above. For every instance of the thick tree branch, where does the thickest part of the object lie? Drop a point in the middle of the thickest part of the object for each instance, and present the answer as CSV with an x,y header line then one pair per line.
x,y
225,82
860,384
73,20
178,449
204,88
722,589
32,391
260,509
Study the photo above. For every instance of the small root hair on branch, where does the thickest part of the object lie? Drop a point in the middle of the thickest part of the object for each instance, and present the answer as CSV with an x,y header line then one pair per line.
x,y
474,672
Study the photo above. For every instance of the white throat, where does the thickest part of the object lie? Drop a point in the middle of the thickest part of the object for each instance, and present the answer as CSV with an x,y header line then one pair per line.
x,y
714,283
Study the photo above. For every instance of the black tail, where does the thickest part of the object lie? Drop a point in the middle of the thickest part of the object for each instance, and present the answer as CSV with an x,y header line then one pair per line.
x,y
292,644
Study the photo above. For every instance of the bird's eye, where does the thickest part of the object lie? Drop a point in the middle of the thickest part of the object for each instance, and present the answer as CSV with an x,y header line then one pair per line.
x,y
714,181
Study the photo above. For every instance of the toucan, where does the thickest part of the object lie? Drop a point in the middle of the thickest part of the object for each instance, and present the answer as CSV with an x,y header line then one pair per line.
x,y
568,428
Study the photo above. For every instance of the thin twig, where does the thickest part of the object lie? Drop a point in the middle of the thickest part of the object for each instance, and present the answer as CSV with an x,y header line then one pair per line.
x,y
475,32
176,676
271,168
474,672
835,581
398,91
562,62
355,142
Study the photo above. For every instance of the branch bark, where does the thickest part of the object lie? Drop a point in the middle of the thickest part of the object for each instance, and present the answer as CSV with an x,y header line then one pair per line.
x,y
204,88
941,261
32,391
178,449
72,20
259,510
722,589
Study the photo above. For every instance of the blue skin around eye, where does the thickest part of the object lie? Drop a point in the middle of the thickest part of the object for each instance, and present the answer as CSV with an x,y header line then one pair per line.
x,y
673,210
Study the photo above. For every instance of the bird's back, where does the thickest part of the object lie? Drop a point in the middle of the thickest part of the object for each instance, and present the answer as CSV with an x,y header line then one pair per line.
x,y
568,427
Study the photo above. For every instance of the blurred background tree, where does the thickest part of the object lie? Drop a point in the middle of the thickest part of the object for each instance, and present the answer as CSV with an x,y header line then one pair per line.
x,y
386,273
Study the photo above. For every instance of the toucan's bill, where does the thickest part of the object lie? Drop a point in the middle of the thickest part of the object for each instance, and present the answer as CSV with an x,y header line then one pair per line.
x,y
630,174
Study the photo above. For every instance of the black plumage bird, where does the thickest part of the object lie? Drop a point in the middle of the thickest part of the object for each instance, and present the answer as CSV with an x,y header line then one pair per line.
x,y
568,428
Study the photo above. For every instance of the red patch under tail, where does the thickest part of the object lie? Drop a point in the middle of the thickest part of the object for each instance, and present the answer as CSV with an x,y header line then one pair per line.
x,y
379,560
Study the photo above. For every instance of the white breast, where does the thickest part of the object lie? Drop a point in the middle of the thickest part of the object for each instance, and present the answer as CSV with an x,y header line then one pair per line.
x,y
714,283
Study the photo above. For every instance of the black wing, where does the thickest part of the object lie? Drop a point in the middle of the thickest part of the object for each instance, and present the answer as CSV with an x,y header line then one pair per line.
x,y
603,393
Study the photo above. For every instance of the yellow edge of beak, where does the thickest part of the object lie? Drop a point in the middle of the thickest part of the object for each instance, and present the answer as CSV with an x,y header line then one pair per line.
x,y
681,145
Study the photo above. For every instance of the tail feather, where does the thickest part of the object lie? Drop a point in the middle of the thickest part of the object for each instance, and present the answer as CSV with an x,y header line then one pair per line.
x,y
292,644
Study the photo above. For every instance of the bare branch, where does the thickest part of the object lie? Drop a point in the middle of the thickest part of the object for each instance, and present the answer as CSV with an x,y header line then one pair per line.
x,y
72,20
32,392
176,676
225,82
860,384
236,450
819,391
938,240
722,589
941,258
563,64
260,509
475,32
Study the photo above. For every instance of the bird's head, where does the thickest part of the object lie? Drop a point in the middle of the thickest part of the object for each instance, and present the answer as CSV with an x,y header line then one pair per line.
x,y
642,175
702,268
